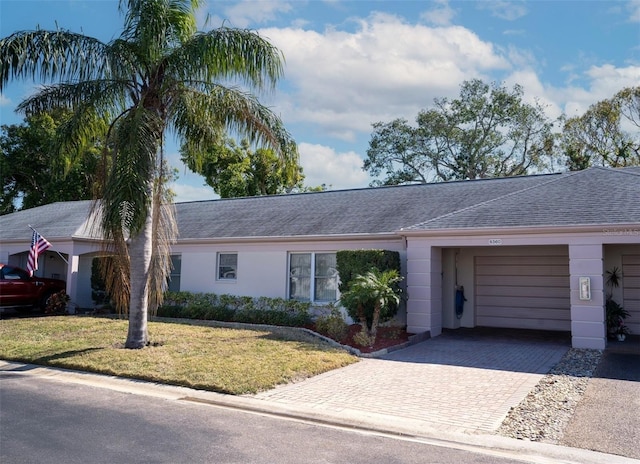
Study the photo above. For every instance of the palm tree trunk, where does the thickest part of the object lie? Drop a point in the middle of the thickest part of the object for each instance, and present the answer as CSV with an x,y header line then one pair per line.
x,y
363,318
140,252
374,324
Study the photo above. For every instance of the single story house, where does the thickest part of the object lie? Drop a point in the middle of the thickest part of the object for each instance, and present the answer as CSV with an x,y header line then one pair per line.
x,y
530,252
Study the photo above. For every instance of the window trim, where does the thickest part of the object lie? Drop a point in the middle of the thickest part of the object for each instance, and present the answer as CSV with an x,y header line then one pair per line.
x,y
226,279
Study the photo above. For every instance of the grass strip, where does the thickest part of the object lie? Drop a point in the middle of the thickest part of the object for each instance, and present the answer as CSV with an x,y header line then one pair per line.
x,y
225,360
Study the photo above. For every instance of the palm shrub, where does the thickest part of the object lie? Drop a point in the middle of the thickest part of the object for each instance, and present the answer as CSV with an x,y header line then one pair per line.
x,y
375,289
353,263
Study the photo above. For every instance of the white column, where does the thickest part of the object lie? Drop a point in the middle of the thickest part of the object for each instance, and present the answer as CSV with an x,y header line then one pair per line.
x,y
424,288
588,326
72,279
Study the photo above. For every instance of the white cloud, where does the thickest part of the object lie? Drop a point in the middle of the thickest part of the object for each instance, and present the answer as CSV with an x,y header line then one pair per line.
x,y
186,192
441,14
507,10
247,12
323,165
344,81
634,11
602,82
5,101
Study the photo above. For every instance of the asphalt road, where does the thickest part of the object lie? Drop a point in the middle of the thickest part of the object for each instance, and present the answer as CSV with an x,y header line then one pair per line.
x,y
607,419
44,421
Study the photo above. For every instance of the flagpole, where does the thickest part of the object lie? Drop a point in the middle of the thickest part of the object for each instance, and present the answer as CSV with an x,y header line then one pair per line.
x,y
62,257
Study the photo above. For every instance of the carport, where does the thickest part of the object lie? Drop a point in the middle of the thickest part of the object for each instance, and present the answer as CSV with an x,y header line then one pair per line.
x,y
507,287
520,280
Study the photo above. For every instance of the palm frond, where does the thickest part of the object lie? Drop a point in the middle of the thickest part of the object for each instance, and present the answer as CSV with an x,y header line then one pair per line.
x,y
196,117
229,55
165,233
105,96
158,25
51,55
127,194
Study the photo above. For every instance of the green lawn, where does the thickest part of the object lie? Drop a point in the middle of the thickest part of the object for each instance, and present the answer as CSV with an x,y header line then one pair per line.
x,y
211,358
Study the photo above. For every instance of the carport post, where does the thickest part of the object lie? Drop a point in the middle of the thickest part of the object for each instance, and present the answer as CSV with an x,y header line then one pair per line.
x,y
588,327
424,287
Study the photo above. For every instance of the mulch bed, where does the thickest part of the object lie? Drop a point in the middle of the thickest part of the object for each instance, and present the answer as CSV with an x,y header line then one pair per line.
x,y
386,337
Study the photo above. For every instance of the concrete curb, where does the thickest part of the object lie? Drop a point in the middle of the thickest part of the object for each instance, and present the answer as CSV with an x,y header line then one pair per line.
x,y
348,419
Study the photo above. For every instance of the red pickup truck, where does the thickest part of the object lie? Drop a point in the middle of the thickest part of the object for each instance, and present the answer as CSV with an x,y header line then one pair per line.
x,y
22,292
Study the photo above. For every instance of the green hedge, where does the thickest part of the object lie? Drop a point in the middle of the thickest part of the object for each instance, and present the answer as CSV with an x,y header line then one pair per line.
x,y
231,308
351,263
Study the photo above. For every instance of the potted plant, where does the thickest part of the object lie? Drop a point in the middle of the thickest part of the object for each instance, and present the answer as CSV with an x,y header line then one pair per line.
x,y
622,331
615,313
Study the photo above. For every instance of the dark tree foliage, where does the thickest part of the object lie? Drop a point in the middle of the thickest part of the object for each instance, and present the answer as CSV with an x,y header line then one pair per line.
x,y
607,134
236,171
488,131
33,173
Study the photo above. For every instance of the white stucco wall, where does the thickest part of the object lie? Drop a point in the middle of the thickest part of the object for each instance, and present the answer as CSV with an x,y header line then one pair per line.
x,y
262,266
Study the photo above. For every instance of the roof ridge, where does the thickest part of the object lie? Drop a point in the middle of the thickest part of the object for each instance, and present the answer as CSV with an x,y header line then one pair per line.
x,y
560,175
620,170
370,188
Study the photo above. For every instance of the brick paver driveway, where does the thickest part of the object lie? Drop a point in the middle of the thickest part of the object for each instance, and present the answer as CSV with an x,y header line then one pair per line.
x,y
462,381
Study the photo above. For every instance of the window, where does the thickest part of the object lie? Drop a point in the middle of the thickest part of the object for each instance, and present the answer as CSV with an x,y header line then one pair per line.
x,y
14,273
313,277
174,276
227,266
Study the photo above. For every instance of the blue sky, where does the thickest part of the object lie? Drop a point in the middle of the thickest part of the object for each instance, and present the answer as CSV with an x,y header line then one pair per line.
x,y
352,63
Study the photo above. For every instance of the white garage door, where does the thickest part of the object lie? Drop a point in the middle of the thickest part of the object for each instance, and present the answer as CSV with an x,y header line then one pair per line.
x,y
526,292
631,291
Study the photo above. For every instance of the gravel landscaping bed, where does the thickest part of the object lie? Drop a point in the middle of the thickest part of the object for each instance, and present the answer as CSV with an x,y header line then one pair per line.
x,y
545,412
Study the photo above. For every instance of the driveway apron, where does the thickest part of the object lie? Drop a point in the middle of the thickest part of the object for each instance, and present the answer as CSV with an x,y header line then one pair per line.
x,y
461,381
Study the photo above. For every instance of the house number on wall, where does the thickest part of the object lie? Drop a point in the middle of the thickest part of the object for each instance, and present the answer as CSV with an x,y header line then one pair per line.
x,y
495,241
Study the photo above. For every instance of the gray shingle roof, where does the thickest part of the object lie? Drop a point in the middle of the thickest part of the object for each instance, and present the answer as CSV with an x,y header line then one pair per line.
x,y
594,196
56,220
361,211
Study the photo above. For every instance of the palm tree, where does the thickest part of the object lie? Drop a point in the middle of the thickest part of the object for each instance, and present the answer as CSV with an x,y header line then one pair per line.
x,y
160,75
373,287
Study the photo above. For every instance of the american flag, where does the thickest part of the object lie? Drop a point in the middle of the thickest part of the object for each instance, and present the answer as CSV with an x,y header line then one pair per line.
x,y
38,245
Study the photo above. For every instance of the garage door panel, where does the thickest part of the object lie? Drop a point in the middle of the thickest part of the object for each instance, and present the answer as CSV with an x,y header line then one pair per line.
x,y
509,302
533,324
533,281
631,282
519,270
632,306
531,292
522,291
526,313
631,270
631,259
560,260
631,291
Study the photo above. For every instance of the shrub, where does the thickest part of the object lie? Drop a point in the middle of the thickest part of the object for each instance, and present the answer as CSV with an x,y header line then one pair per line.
x,y
231,308
333,325
57,303
363,338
